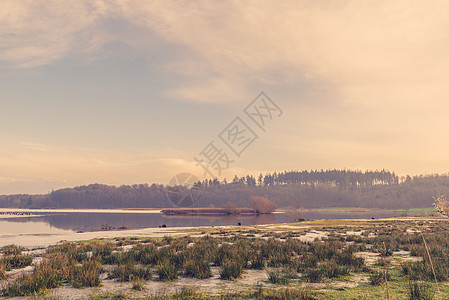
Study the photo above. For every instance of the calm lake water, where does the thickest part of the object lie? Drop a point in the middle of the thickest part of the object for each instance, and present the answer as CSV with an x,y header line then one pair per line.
x,y
63,221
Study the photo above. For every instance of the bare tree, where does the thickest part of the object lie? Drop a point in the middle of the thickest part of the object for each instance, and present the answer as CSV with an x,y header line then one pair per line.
x,y
230,208
262,205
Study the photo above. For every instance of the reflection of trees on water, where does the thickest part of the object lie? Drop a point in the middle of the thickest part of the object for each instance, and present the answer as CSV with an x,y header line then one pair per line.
x,y
95,221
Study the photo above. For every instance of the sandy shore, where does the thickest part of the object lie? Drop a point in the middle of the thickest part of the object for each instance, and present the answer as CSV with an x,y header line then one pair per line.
x,y
44,240
112,211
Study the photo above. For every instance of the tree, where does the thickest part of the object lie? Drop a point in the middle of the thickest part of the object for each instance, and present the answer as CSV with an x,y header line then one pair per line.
x,y
262,205
230,208
441,205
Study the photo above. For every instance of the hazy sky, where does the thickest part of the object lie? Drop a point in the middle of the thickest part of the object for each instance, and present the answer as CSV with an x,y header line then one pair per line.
x,y
123,92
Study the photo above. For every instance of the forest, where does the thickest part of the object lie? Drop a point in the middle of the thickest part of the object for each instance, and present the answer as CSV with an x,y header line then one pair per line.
x,y
298,189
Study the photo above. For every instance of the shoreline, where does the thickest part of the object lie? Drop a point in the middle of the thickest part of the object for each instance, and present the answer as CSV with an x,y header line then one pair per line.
x,y
45,240
84,210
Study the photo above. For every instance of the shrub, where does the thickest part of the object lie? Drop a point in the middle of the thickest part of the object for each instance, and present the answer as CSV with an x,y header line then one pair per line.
x,y
326,250
347,258
166,270
101,250
11,250
138,284
331,269
198,269
420,291
26,285
422,270
281,276
146,254
283,294
222,253
313,275
306,263
129,271
279,259
378,278
88,275
231,270
2,272
262,205
47,275
16,261
257,262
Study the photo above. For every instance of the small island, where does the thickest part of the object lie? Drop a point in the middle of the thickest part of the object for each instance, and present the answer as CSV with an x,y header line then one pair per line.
x,y
259,205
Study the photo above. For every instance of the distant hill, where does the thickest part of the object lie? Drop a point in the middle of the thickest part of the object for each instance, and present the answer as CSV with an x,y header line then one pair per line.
x,y
300,189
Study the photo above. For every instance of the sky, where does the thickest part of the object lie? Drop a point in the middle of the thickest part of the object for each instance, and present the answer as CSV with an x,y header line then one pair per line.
x,y
129,92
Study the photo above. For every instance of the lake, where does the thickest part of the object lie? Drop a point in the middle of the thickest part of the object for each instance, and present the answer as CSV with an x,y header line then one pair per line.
x,y
69,221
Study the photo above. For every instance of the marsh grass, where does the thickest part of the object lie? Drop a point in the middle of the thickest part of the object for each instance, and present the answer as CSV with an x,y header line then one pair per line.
x,y
281,275
129,272
378,278
257,262
197,268
420,291
138,284
79,264
88,275
11,250
2,272
166,270
283,294
231,270
16,261
313,275
146,254
331,269
48,275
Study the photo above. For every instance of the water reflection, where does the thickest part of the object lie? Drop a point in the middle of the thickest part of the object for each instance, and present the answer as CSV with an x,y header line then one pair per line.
x,y
94,221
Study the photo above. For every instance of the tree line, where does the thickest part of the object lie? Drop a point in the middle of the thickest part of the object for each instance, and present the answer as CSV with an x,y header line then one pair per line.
x,y
299,189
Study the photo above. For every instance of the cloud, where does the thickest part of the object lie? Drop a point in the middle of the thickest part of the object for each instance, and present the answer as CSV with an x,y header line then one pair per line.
x,y
38,168
35,33
355,46
376,70
31,162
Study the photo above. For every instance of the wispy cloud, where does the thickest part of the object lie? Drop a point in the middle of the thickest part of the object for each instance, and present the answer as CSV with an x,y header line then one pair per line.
x,y
358,47
375,71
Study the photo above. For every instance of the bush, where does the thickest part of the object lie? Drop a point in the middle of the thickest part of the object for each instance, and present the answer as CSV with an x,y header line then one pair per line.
x,y
306,263
26,285
231,270
257,262
16,261
2,272
138,284
11,250
347,258
420,291
313,275
88,275
129,271
283,294
47,275
378,278
262,205
101,250
422,270
281,276
331,269
166,270
146,254
198,269
279,259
